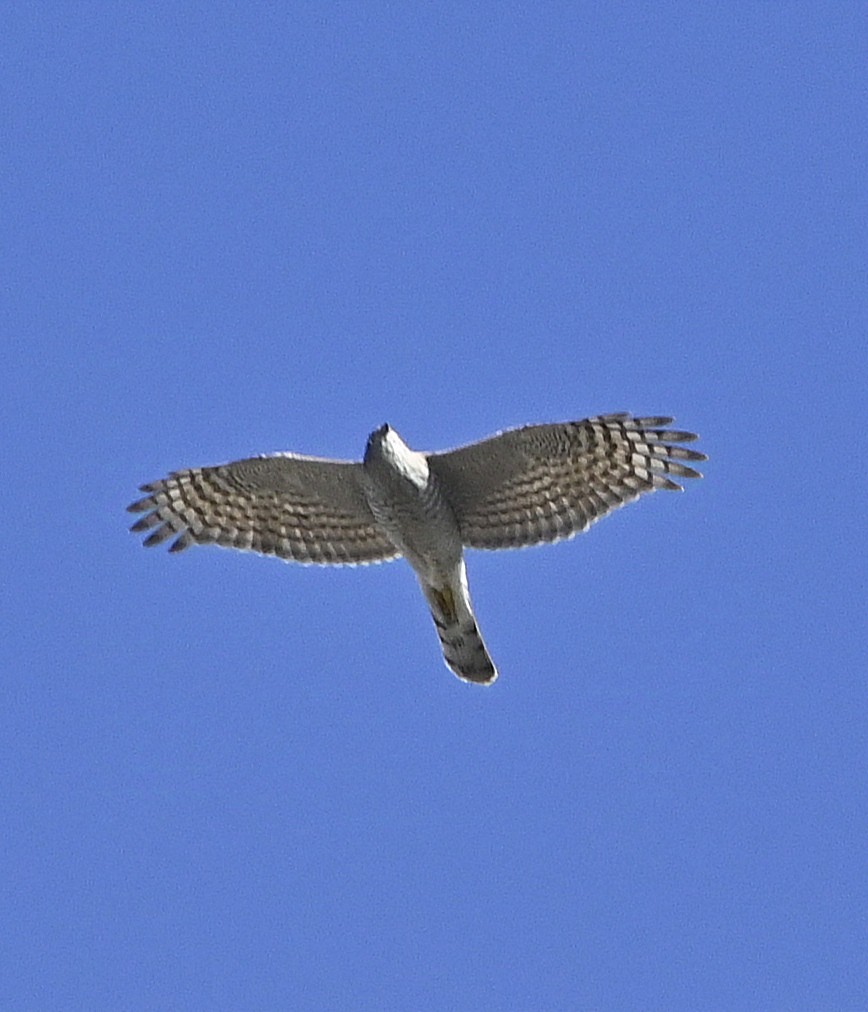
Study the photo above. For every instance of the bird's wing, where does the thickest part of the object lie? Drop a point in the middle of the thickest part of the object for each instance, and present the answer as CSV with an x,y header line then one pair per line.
x,y
300,508
547,482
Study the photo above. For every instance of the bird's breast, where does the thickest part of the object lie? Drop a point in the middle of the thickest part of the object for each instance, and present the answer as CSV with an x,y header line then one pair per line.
x,y
417,519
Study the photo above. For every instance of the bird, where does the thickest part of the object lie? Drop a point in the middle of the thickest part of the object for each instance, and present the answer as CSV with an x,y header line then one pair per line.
x,y
520,487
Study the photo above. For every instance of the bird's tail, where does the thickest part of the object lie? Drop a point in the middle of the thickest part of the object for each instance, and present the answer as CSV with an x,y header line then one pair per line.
x,y
463,648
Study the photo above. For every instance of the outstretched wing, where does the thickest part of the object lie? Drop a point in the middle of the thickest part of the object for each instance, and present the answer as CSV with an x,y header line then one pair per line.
x,y
547,482
300,508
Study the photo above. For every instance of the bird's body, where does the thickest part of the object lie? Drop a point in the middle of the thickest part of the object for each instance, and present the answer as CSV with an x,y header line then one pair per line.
x,y
412,507
521,487
409,504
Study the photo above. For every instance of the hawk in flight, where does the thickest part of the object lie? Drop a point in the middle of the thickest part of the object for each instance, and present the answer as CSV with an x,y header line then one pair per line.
x,y
520,487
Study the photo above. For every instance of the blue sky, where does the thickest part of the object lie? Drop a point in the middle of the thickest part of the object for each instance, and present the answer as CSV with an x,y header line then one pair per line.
x,y
230,783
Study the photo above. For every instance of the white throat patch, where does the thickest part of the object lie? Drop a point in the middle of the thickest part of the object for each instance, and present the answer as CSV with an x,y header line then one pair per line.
x,y
408,463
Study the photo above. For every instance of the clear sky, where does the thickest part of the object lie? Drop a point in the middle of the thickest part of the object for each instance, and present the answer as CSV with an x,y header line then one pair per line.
x,y
231,783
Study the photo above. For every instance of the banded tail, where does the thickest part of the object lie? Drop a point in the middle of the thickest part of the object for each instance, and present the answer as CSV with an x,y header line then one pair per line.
x,y
463,648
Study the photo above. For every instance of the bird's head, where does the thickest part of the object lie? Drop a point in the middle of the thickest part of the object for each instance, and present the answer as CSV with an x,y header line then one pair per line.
x,y
386,448
376,441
